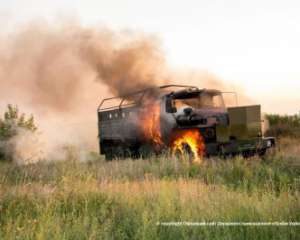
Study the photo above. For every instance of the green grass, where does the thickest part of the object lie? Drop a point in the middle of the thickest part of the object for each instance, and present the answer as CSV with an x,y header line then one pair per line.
x,y
125,199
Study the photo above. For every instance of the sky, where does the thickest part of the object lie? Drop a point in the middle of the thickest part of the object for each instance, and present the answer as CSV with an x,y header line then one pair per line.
x,y
253,44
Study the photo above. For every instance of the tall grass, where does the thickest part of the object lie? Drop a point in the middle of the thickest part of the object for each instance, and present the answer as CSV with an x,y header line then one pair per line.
x,y
125,199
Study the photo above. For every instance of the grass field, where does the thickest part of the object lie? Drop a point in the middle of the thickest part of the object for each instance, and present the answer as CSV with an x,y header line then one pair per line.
x,y
125,199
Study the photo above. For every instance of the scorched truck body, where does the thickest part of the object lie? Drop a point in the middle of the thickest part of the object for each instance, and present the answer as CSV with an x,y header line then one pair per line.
x,y
145,122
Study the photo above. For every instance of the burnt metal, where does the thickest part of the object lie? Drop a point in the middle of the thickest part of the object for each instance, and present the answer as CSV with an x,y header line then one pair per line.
x,y
142,92
225,131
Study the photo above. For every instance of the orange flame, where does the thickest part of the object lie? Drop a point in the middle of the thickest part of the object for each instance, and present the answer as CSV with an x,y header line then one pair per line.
x,y
188,138
180,139
151,124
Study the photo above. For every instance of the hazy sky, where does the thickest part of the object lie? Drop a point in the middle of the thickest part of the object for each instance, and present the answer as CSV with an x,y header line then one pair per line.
x,y
255,44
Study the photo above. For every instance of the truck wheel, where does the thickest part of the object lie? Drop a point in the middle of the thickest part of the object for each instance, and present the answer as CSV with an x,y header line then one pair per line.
x,y
118,152
187,152
248,154
266,152
262,152
145,151
108,154
127,153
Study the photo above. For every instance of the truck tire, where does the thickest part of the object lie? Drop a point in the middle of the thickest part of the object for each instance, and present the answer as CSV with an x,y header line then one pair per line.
x,y
262,152
145,151
187,152
119,152
248,153
108,154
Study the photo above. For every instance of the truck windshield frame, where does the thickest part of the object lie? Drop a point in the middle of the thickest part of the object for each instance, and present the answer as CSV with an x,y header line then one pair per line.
x,y
200,100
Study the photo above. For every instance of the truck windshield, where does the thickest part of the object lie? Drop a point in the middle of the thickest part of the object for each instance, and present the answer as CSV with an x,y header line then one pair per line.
x,y
202,100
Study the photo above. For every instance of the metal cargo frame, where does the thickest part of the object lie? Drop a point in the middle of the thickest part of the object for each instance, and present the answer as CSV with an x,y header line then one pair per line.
x,y
140,99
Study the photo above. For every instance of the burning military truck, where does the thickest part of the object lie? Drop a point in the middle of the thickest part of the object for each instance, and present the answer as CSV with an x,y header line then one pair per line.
x,y
179,119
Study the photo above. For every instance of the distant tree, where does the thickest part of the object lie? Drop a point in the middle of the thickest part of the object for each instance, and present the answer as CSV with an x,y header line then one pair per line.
x,y
284,125
11,123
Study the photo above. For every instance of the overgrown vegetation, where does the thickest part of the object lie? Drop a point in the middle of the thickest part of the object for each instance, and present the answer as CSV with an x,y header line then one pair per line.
x,y
284,125
10,125
125,199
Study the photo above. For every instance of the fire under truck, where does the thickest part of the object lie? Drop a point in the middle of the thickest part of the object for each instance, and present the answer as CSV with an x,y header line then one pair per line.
x,y
179,118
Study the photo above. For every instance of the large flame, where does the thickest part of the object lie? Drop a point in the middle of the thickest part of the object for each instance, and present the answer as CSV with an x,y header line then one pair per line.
x,y
151,124
191,139
182,140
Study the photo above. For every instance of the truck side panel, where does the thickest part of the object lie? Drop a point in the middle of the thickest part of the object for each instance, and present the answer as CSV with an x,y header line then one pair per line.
x,y
245,122
118,126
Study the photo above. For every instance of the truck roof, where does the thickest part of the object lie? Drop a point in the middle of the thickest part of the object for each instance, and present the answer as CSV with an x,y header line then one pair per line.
x,y
136,97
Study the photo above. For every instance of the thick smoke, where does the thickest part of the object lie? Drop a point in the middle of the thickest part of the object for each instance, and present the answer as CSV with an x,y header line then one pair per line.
x,y
56,66
61,72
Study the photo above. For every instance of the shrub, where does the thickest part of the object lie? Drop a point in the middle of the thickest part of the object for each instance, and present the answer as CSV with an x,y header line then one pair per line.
x,y
11,123
283,125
